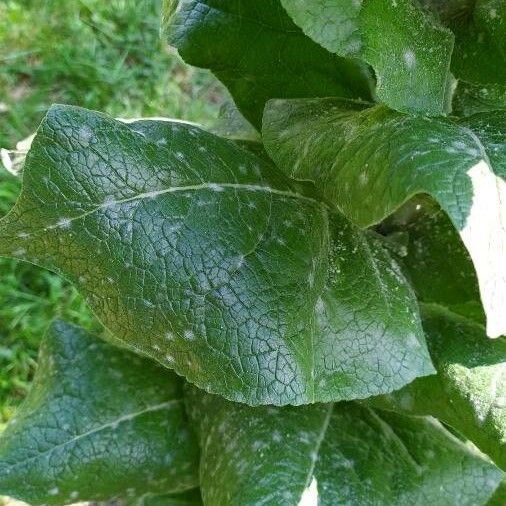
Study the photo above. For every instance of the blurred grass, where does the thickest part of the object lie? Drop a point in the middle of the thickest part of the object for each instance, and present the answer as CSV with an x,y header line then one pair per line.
x,y
103,55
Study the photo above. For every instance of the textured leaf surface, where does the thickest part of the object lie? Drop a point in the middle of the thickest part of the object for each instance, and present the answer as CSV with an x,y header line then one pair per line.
x,y
370,160
99,423
259,53
469,391
407,48
201,255
332,454
479,56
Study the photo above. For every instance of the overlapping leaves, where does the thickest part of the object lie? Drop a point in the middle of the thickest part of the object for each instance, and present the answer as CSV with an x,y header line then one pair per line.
x,y
332,454
110,425
408,49
370,160
259,53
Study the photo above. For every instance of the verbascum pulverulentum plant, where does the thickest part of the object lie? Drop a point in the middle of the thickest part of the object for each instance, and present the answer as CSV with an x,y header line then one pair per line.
x,y
309,314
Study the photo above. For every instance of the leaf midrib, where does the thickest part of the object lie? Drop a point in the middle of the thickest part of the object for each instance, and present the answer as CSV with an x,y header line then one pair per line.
x,y
319,440
111,424
209,186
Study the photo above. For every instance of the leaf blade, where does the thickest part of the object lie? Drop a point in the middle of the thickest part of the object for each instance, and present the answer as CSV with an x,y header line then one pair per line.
x,y
410,78
243,44
234,311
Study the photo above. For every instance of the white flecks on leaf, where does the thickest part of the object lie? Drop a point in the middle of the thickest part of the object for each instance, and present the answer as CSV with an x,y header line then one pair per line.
x,y
409,58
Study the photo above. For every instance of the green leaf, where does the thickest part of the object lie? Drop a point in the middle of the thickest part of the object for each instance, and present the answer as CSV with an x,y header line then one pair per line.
x,y
479,57
469,391
332,454
204,257
437,264
259,53
369,161
99,423
499,497
407,48
480,42
472,98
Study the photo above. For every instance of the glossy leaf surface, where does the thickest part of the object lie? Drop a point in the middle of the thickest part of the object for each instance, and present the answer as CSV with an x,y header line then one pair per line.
x,y
204,257
409,51
469,391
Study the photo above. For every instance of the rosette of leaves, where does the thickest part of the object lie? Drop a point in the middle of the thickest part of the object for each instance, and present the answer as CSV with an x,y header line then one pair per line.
x,y
325,290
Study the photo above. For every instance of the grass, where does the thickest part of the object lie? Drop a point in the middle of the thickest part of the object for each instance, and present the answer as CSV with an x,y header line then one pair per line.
x,y
103,55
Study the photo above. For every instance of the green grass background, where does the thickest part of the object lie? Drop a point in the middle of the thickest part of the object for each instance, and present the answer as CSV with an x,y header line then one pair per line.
x,y
99,54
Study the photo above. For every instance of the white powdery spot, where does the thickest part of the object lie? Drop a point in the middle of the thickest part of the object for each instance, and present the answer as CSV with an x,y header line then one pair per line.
x,y
54,491
277,437
409,58
485,238
85,134
189,335
310,495
64,223
216,187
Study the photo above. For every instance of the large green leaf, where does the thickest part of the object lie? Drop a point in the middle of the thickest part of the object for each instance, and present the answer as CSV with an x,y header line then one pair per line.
x,y
99,423
203,256
370,160
331,454
469,391
479,57
407,48
259,53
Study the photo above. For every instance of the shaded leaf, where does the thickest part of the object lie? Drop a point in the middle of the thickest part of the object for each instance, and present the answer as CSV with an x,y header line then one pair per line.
x,y
469,391
202,256
437,263
407,48
369,161
480,42
259,53
473,98
99,423
332,454
499,497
